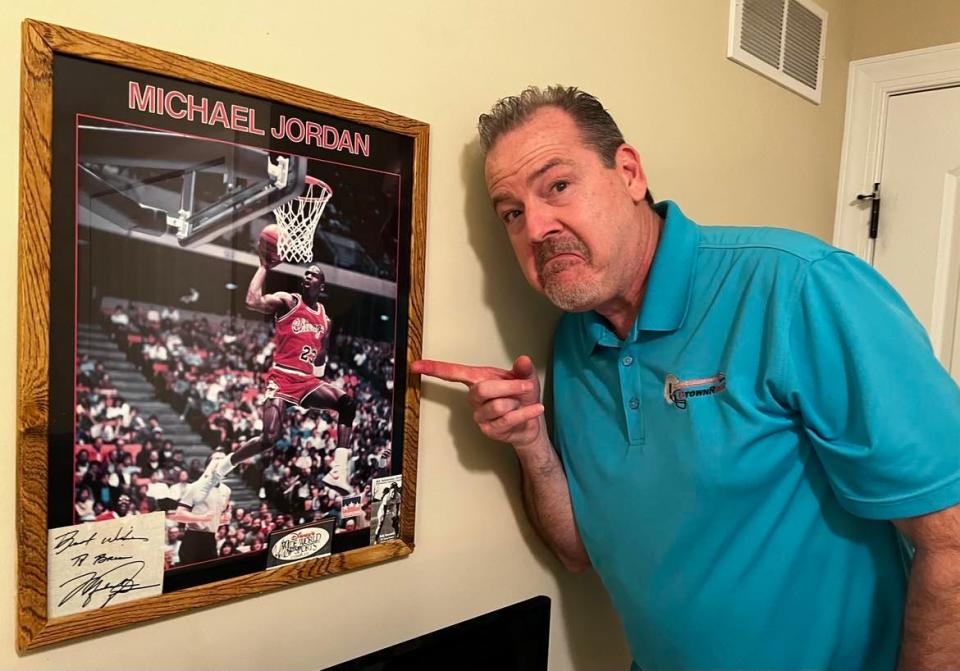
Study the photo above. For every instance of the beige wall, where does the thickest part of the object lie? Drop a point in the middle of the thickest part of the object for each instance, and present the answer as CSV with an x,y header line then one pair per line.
x,y
730,146
890,26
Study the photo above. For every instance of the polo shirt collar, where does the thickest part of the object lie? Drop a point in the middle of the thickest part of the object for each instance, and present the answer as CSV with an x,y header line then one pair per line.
x,y
668,285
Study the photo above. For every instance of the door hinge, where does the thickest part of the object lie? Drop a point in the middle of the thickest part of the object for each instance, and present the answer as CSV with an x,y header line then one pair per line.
x,y
874,199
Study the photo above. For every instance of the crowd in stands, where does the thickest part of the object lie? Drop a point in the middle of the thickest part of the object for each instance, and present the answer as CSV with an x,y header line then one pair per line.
x,y
118,452
208,370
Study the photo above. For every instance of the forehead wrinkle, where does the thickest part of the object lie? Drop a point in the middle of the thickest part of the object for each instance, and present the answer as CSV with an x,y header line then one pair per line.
x,y
546,167
494,182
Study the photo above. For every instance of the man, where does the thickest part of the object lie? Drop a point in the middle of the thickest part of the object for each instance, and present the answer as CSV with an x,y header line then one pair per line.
x,y
82,462
174,542
133,424
120,320
202,509
740,414
120,509
389,508
302,330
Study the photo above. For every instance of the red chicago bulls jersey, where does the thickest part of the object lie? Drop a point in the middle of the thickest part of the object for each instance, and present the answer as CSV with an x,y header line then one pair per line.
x,y
299,337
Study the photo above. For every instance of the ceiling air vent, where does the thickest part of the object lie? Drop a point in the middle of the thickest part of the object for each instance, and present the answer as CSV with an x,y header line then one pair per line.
x,y
783,40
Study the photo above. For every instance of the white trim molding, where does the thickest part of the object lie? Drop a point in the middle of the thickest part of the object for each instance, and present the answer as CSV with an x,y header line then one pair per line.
x,y
870,84
946,290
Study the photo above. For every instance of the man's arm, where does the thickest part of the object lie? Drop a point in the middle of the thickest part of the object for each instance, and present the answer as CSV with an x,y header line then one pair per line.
x,y
931,619
293,485
507,408
265,303
181,514
546,498
320,363
227,507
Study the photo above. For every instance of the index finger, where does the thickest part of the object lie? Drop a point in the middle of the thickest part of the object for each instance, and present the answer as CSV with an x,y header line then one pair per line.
x,y
458,372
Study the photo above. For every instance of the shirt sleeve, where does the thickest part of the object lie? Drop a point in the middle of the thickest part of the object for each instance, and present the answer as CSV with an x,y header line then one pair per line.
x,y
189,496
881,412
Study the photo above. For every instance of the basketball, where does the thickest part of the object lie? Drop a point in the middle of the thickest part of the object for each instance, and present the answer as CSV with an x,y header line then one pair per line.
x,y
268,246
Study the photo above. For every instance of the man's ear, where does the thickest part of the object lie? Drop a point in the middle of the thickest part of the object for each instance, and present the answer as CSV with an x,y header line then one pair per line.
x,y
628,167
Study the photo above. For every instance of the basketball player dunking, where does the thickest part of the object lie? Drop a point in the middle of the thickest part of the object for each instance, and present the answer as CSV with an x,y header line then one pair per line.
x,y
302,328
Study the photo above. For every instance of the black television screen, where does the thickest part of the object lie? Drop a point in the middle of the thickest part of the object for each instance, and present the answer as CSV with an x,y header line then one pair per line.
x,y
514,638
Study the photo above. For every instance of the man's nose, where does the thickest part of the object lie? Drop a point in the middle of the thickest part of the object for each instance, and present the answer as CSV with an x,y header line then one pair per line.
x,y
542,221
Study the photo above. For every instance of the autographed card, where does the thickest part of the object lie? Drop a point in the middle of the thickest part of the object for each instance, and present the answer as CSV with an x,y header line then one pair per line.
x,y
97,564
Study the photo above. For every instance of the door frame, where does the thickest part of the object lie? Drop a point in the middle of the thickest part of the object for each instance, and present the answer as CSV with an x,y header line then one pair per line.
x,y
870,84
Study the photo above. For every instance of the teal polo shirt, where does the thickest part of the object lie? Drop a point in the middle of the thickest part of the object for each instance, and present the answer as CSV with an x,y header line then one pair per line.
x,y
734,460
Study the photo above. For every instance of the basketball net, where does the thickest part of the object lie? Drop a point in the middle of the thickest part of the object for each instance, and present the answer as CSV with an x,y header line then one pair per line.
x,y
297,220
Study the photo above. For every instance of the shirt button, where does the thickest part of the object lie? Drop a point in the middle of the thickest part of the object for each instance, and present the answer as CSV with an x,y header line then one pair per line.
x,y
634,403
627,360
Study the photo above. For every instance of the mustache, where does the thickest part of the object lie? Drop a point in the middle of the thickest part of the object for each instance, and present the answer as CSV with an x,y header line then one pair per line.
x,y
550,247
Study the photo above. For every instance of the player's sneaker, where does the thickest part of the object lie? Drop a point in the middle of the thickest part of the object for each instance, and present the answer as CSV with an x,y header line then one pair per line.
x,y
205,483
335,480
224,468
211,478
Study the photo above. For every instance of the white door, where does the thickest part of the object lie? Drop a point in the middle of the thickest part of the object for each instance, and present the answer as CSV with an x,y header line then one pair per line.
x,y
918,246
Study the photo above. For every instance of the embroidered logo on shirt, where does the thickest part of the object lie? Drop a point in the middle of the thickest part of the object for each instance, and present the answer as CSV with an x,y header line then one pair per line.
x,y
677,391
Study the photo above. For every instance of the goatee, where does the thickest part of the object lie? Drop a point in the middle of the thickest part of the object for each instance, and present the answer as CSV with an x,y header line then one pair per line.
x,y
568,296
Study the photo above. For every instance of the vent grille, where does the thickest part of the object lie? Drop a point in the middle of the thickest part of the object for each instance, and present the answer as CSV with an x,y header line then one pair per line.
x,y
801,45
782,40
762,25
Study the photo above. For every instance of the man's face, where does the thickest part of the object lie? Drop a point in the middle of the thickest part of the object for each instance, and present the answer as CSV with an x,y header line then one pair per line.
x,y
313,280
572,221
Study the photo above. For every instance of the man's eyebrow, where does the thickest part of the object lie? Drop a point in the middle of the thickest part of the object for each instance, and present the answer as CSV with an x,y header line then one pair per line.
x,y
501,198
537,174
553,163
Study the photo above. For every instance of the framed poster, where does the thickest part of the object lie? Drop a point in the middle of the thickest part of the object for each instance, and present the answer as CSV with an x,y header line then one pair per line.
x,y
220,287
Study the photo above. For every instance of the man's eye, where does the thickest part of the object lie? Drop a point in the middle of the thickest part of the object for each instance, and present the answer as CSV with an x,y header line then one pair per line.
x,y
560,186
510,215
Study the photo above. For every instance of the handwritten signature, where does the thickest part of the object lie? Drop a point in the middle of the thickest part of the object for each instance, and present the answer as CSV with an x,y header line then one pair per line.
x,y
101,558
127,536
64,542
118,580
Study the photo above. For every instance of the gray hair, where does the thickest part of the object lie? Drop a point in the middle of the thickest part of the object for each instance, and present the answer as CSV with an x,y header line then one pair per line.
x,y
600,131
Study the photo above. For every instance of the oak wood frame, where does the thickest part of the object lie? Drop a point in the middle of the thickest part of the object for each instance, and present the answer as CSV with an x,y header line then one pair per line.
x,y
40,41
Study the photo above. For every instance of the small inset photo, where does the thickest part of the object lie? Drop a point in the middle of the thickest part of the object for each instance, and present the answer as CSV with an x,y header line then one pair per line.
x,y
385,508
353,514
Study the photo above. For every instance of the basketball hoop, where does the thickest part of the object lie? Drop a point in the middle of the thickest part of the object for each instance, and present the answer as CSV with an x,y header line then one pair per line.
x,y
298,219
